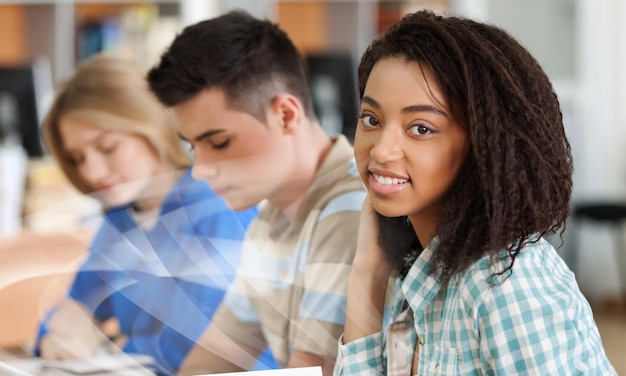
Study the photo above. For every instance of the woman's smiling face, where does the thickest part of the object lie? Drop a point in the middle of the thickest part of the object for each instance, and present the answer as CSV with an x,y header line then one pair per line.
x,y
408,146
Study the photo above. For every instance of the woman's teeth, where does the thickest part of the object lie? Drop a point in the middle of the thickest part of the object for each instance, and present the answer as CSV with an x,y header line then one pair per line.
x,y
388,180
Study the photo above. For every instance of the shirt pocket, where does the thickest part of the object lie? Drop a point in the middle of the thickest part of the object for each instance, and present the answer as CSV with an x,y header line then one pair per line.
x,y
268,270
444,361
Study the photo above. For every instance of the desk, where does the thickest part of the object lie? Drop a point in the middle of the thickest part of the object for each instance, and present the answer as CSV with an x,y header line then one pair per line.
x,y
35,271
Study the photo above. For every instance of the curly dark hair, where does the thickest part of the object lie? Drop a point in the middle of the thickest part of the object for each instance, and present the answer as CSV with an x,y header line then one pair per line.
x,y
517,179
253,60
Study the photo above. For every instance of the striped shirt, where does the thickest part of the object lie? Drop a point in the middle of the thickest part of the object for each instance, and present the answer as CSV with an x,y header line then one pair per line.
x,y
290,290
534,322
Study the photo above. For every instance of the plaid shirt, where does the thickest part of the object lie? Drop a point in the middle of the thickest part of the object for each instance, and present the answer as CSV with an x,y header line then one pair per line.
x,y
534,322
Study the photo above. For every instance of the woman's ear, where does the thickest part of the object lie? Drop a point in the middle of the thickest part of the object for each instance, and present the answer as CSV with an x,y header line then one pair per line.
x,y
288,111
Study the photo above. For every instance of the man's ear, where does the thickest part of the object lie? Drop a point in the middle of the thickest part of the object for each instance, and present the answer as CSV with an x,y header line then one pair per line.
x,y
288,111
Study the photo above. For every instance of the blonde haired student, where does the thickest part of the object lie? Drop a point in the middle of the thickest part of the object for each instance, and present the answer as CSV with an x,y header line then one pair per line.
x,y
167,248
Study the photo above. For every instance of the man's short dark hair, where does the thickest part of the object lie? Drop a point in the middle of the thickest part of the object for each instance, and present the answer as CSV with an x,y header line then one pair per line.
x,y
252,60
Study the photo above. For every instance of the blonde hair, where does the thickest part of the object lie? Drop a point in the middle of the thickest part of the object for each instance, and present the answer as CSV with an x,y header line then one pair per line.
x,y
112,94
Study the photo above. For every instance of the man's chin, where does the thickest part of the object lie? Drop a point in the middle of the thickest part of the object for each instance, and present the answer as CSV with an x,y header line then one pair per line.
x,y
238,205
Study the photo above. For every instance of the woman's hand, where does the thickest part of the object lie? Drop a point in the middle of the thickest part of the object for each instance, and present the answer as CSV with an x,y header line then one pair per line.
x,y
370,257
72,333
368,279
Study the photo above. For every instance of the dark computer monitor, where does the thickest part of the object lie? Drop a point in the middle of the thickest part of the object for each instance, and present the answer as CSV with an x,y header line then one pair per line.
x,y
332,78
24,92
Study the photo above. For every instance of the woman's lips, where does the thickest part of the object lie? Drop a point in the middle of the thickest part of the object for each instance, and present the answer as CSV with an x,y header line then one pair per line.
x,y
387,185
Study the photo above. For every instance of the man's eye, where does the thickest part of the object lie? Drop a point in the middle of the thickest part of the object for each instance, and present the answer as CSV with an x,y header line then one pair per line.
x,y
221,145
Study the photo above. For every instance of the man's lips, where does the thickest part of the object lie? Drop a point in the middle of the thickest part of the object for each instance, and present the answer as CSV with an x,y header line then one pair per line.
x,y
221,191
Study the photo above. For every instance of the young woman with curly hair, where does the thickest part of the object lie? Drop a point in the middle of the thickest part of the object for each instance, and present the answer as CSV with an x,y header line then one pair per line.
x,y
461,145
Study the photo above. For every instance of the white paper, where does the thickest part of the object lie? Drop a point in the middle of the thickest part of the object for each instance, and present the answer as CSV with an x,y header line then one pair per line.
x,y
25,367
110,364
100,363
303,371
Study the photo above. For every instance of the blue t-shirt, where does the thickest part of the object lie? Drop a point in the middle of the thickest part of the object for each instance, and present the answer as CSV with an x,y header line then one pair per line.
x,y
164,284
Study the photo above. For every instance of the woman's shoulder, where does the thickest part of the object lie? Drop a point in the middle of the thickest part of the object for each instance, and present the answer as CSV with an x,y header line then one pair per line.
x,y
535,266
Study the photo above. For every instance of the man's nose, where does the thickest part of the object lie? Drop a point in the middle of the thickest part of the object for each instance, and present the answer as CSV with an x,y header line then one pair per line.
x,y
203,170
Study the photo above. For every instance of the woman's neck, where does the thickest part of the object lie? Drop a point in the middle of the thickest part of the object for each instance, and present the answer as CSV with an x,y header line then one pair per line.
x,y
425,226
160,186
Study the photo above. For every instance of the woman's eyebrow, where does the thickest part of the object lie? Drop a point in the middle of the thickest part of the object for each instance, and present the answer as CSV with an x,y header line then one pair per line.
x,y
372,102
407,110
423,108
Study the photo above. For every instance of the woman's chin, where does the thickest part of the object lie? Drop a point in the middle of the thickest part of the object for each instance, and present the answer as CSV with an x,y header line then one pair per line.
x,y
112,202
387,210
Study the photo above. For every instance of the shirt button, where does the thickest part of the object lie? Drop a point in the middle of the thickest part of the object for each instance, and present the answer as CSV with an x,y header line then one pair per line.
x,y
437,369
420,339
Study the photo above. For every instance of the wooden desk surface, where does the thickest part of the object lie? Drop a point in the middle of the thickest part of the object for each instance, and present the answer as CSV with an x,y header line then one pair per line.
x,y
35,271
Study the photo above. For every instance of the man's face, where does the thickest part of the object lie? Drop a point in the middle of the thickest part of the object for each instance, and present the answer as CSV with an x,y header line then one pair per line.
x,y
241,158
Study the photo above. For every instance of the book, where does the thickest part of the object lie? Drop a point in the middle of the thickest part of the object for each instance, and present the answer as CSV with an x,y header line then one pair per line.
x,y
301,371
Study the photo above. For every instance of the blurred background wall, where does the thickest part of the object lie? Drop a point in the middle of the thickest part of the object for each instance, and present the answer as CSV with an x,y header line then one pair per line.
x,y
580,43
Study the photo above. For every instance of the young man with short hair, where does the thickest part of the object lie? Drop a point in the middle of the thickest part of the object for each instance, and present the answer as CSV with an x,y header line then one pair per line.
x,y
239,90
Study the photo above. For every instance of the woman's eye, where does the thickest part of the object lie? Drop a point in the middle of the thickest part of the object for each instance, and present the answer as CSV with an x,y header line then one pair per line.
x,y
108,148
76,160
419,130
370,121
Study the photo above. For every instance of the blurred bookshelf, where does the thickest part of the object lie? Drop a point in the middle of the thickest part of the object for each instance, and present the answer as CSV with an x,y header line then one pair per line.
x,y
68,31
137,31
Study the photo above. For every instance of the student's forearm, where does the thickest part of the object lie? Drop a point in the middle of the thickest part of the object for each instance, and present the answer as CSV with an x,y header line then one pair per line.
x,y
217,353
200,360
366,301
307,359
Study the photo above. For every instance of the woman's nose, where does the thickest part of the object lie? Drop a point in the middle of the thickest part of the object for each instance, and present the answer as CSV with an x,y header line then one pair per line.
x,y
387,146
94,169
